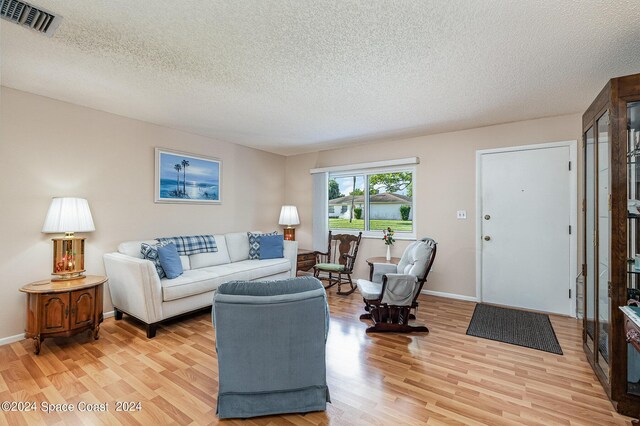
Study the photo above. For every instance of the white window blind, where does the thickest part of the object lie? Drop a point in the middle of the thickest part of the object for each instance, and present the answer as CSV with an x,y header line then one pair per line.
x,y
320,209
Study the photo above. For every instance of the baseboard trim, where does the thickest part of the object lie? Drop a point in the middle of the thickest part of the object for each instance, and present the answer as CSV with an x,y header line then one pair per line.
x,y
11,339
18,337
450,295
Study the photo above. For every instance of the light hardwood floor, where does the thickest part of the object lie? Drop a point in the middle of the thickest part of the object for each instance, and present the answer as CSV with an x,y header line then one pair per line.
x,y
443,377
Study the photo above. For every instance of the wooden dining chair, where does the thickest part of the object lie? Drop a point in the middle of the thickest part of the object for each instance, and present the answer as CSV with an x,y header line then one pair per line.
x,y
336,264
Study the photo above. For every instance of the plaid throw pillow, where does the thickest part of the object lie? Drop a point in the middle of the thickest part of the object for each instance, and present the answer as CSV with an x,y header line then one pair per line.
x,y
192,244
254,244
150,252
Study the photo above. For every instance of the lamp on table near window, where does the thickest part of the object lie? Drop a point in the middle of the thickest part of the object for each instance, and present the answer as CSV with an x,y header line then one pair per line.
x,y
68,215
289,217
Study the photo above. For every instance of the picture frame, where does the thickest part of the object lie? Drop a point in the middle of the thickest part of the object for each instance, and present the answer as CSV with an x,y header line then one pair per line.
x,y
185,178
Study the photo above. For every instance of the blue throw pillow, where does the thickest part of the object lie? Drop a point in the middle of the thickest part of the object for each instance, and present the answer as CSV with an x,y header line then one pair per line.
x,y
170,260
254,243
271,246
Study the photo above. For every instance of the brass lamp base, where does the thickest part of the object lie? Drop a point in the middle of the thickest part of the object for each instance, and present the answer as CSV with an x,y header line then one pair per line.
x,y
67,277
68,258
290,234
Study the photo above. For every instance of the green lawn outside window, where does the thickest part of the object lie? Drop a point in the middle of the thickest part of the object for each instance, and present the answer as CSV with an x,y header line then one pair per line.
x,y
374,225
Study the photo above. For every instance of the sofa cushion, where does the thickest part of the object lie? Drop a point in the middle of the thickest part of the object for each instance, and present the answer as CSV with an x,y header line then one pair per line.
x,y
202,260
186,265
170,260
237,246
250,269
190,283
202,280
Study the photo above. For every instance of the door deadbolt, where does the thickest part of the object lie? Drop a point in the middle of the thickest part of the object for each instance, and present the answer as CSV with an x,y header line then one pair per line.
x,y
487,217
487,238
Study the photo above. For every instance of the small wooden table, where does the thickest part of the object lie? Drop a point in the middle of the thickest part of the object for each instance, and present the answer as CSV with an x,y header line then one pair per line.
x,y
380,259
306,260
48,303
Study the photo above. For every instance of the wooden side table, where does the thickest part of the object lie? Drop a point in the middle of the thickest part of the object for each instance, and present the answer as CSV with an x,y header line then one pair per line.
x,y
306,260
380,259
63,308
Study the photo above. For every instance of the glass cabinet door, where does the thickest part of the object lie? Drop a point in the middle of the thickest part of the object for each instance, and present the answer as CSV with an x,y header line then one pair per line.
x,y
590,238
603,243
633,213
611,271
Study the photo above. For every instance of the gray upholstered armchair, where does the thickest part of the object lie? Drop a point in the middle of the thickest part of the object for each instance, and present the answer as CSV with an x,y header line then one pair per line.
x,y
270,339
393,290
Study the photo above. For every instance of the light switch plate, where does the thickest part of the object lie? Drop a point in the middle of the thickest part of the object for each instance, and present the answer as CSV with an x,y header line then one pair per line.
x,y
461,214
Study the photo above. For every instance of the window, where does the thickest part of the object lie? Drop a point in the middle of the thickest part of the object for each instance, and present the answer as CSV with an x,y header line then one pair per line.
x,y
346,202
371,201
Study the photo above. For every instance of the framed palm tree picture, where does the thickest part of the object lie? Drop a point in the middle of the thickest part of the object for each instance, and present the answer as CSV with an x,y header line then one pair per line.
x,y
187,178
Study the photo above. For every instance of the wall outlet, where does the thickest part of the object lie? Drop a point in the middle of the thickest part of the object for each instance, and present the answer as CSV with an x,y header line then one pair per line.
x,y
461,214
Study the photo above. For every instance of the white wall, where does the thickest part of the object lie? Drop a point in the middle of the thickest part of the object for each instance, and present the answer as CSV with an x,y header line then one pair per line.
x,y
445,183
50,148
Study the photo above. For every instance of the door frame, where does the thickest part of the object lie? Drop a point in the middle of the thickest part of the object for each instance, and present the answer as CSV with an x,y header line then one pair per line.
x,y
573,211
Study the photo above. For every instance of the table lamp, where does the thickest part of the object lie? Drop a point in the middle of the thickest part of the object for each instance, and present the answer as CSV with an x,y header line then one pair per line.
x,y
68,215
288,217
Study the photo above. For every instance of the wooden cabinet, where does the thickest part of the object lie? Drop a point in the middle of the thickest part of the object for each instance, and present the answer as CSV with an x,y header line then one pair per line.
x,y
82,307
54,312
63,308
611,211
306,260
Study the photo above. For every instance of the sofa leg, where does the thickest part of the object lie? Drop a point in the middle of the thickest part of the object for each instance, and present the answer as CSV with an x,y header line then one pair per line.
x,y
117,314
151,330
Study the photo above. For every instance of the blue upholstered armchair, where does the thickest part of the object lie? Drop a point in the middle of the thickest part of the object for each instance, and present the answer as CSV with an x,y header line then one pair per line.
x,y
270,339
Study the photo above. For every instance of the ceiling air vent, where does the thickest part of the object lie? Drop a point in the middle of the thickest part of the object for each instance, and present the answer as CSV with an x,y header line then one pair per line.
x,y
29,16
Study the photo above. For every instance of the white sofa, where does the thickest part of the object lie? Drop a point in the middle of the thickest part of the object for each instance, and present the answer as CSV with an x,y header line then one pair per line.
x,y
137,290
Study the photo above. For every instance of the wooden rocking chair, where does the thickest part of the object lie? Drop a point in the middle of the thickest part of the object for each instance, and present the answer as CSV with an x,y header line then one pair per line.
x,y
394,289
338,260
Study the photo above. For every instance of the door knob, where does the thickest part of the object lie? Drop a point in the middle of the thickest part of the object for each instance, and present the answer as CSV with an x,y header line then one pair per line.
x,y
487,238
487,217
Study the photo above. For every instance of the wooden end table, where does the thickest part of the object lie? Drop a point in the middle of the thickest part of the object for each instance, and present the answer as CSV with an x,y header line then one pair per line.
x,y
380,259
306,260
63,308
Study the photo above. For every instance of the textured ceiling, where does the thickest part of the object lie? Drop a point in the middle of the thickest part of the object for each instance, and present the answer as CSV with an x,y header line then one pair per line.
x,y
291,76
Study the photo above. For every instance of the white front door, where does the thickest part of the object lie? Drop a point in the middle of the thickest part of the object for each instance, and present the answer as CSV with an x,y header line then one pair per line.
x,y
525,218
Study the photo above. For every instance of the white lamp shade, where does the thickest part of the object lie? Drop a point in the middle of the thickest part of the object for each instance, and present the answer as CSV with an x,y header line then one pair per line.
x,y
289,216
68,215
